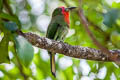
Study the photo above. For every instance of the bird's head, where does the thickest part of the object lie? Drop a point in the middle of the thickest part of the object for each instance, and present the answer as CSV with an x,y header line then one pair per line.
x,y
64,12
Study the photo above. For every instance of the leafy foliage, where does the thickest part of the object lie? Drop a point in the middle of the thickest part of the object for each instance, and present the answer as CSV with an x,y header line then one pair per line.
x,y
24,50
111,17
4,50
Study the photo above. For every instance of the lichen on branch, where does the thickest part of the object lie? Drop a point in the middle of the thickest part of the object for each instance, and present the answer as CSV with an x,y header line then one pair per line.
x,y
69,50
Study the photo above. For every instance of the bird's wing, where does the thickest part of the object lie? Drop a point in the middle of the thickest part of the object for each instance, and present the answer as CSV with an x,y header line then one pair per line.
x,y
52,29
56,31
61,33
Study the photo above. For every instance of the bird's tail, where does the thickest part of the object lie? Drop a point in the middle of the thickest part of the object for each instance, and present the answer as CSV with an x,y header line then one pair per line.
x,y
52,63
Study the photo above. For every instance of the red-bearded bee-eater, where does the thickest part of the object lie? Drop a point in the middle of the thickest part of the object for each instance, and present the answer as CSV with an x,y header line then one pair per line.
x,y
58,29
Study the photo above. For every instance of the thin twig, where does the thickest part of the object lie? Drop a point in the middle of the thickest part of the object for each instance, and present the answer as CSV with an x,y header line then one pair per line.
x,y
7,7
9,10
21,69
91,23
20,65
101,47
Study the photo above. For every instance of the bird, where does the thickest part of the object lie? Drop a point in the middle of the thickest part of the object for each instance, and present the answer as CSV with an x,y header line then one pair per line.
x,y
57,30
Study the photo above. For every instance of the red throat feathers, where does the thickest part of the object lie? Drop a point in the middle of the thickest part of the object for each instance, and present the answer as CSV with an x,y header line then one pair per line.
x,y
66,15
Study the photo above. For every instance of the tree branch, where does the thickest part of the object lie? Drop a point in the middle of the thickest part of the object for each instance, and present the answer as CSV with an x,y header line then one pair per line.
x,y
86,26
9,10
72,51
68,50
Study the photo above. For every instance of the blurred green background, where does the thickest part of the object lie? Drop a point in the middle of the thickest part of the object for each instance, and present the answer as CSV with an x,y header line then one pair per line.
x,y
35,15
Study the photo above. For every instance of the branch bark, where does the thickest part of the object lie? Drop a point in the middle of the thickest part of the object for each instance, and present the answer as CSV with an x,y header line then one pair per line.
x,y
86,26
69,50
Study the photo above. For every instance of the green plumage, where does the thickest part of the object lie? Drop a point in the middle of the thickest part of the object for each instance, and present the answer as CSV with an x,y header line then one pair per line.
x,y
57,30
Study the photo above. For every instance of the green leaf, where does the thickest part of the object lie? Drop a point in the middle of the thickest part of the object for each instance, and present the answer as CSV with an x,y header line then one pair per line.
x,y
4,58
24,50
115,38
110,17
27,6
12,26
11,18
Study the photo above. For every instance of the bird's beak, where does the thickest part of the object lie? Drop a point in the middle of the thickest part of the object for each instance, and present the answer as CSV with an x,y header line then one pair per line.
x,y
70,8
